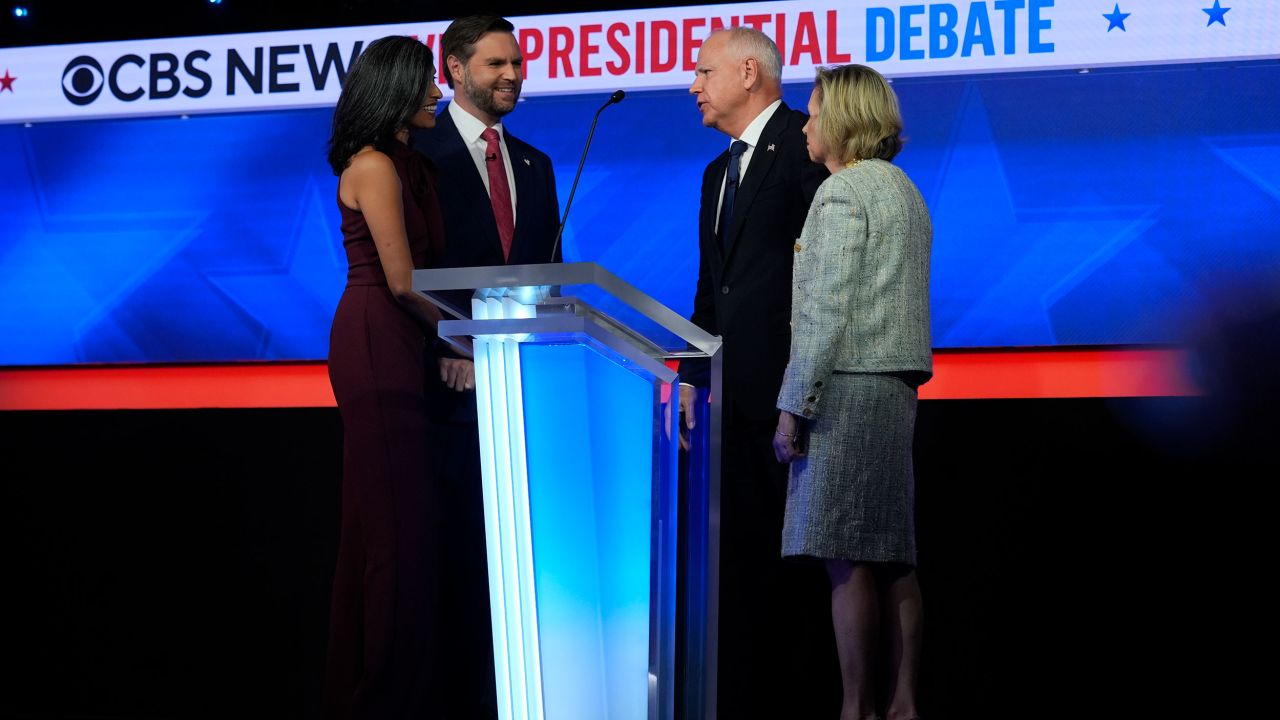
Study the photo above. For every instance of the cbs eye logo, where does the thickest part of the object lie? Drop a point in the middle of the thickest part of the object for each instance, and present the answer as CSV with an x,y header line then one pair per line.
x,y
82,80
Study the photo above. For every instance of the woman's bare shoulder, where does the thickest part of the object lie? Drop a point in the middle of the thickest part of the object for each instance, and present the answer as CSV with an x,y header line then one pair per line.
x,y
369,159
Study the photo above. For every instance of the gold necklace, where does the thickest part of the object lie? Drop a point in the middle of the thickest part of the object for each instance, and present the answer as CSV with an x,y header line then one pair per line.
x,y
852,162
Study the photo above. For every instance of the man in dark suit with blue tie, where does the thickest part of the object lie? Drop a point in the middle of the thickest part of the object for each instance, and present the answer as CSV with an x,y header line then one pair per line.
x,y
498,198
755,197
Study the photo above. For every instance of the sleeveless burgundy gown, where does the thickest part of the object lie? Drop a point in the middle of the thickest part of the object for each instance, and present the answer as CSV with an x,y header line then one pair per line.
x,y
385,593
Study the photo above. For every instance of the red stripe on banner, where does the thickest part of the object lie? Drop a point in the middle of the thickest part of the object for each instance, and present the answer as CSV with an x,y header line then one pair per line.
x,y
958,375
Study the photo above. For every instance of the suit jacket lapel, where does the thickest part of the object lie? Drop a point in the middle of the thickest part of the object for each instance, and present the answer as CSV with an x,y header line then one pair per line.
x,y
526,182
711,203
468,174
766,151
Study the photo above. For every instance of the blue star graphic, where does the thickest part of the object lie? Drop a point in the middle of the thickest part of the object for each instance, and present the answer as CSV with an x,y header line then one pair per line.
x,y
1117,18
1043,249
1217,14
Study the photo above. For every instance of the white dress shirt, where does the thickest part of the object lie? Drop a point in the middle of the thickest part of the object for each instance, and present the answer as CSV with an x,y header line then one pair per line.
x,y
470,127
750,136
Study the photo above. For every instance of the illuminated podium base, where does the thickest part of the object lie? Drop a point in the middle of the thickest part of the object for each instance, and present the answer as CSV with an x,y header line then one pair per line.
x,y
580,491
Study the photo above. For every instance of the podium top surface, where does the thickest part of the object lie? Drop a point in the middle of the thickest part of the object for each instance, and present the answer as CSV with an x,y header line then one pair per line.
x,y
597,290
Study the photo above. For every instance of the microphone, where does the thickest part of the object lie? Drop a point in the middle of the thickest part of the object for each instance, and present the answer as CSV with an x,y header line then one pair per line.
x,y
491,157
616,97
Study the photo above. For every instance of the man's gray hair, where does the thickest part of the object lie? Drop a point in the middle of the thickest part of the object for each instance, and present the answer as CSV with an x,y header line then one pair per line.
x,y
747,42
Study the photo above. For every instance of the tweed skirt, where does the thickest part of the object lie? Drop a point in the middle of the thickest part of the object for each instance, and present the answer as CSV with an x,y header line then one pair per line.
x,y
853,496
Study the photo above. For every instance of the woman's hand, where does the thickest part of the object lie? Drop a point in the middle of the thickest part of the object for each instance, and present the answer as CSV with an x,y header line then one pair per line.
x,y
789,439
458,374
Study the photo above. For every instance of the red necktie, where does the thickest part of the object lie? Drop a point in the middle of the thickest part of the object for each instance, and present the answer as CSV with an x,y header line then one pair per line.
x,y
499,190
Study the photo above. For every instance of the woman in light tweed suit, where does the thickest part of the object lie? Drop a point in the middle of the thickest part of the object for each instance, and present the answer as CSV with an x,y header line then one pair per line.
x,y
859,348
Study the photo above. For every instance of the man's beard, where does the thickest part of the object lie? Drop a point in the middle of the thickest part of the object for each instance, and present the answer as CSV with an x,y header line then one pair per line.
x,y
483,98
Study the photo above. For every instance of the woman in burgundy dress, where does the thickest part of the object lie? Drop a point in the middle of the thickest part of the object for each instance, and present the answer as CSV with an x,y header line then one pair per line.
x,y
382,628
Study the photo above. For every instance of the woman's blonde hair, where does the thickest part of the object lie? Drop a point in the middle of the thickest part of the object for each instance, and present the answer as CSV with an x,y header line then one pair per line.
x,y
859,117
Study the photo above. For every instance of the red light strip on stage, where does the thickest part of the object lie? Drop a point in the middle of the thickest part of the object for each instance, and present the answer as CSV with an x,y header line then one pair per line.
x,y
166,387
1058,373
958,375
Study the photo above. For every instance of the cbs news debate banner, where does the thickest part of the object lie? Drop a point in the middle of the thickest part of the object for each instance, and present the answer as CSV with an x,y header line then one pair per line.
x,y
637,49
1091,167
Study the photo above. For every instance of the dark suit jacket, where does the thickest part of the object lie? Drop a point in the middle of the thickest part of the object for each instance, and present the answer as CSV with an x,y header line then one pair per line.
x,y
471,233
744,295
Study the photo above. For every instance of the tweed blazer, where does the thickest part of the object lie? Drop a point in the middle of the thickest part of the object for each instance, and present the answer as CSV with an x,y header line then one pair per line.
x,y
860,284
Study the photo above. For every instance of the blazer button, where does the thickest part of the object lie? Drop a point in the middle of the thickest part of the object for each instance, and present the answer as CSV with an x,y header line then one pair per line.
x,y
725,290
812,398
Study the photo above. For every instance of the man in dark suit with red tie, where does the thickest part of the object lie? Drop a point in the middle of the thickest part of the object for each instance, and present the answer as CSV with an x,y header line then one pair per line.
x,y
755,197
498,198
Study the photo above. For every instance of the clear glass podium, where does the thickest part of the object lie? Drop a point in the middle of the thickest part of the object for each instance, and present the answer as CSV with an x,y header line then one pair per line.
x,y
582,494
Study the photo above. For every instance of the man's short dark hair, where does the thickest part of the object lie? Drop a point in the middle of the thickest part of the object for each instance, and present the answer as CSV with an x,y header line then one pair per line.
x,y
460,38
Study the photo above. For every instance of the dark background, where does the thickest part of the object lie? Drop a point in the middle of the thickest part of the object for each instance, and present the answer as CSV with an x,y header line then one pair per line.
x,y
1079,558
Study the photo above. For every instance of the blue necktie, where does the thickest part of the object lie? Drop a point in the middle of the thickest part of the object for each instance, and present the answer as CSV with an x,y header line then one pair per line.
x,y
730,190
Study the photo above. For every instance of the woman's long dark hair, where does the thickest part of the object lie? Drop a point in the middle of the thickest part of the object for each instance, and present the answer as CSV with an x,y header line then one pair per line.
x,y
384,89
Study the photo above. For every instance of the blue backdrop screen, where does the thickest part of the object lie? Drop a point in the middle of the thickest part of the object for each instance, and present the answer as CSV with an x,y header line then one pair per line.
x,y
1068,209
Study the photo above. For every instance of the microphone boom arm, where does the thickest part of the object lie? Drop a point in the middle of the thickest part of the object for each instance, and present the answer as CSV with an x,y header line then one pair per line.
x,y
616,97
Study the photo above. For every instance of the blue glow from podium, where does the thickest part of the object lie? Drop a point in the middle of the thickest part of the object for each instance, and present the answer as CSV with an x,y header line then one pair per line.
x,y
579,486
513,602
590,432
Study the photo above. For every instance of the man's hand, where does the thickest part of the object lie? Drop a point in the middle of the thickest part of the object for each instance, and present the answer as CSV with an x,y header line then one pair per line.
x,y
458,374
789,439
688,396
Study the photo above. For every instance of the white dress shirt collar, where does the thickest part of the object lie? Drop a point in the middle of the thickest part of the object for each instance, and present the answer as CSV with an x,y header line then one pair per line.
x,y
751,136
469,126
